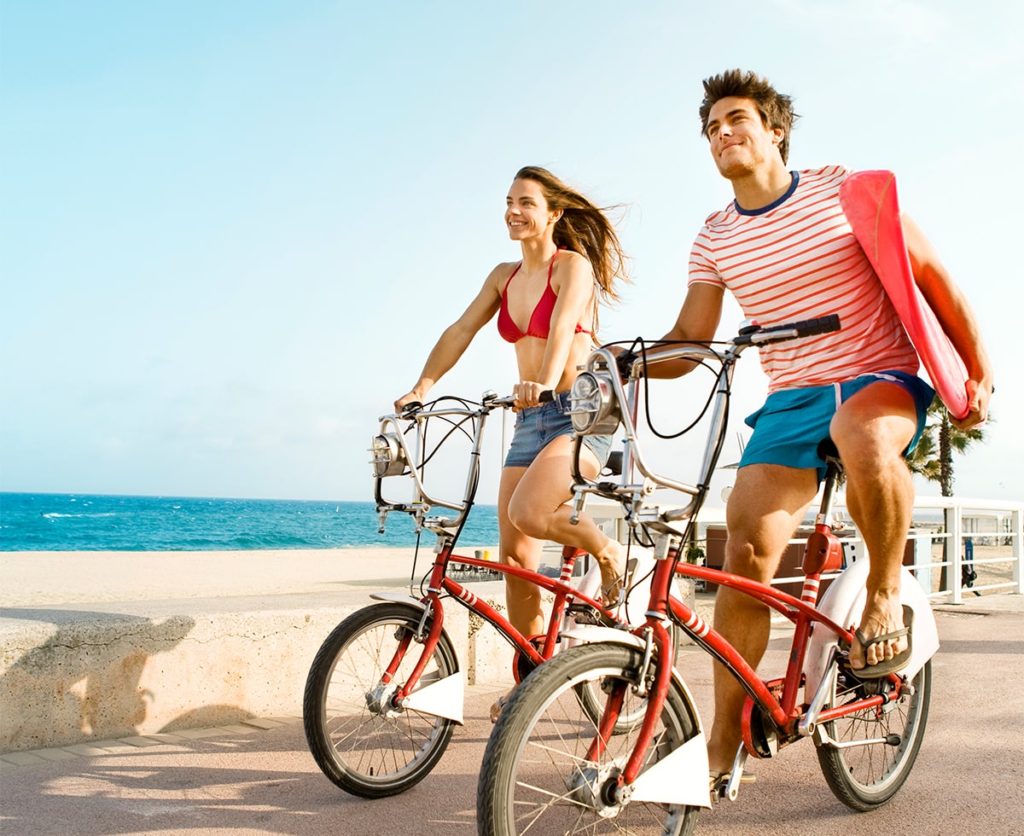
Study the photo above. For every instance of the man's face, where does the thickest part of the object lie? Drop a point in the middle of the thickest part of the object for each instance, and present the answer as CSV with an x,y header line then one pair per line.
x,y
740,142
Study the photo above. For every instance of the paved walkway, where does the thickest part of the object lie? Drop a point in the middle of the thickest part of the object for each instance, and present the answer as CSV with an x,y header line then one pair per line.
x,y
259,778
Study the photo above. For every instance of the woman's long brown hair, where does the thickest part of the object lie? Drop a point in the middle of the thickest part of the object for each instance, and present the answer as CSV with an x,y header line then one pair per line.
x,y
583,228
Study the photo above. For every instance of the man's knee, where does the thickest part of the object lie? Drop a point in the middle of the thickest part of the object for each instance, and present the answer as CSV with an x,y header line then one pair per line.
x,y
749,559
872,432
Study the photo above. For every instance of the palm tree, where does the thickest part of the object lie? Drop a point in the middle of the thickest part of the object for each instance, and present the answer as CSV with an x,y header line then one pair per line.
x,y
933,456
933,459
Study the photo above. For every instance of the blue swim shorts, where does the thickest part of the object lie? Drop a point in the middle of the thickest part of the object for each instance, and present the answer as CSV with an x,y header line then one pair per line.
x,y
537,426
793,422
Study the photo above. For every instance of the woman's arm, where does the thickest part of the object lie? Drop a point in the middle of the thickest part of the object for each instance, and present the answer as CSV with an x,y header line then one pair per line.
x,y
957,320
457,336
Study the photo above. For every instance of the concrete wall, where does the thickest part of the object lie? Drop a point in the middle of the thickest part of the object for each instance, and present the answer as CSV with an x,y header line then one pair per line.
x,y
116,676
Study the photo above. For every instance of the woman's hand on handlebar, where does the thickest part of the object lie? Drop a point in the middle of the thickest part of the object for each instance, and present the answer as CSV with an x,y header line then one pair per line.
x,y
408,400
528,393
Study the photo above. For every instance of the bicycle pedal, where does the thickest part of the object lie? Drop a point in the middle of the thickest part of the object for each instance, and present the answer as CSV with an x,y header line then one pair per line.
x,y
582,614
585,614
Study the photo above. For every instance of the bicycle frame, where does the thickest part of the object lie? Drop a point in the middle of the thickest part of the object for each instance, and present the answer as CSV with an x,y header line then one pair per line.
x,y
775,700
447,529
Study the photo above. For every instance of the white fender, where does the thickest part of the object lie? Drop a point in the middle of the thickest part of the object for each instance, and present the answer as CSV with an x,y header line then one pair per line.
x,y
399,598
682,777
444,698
843,602
591,634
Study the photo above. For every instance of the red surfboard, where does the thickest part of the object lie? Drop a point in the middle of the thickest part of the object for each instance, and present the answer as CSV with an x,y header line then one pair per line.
x,y
871,206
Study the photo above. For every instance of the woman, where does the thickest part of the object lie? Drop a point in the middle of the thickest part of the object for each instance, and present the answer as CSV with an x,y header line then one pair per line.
x,y
547,308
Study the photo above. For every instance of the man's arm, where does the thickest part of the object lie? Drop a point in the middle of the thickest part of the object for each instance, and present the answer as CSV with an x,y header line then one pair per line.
x,y
955,316
697,321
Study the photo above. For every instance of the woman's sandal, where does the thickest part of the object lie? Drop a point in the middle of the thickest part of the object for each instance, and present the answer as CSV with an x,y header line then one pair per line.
x,y
613,594
497,706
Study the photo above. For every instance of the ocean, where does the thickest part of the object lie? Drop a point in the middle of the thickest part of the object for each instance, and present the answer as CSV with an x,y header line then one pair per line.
x,y
81,522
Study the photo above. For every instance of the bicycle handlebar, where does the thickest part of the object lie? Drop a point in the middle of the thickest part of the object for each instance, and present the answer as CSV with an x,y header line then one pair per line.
x,y
789,331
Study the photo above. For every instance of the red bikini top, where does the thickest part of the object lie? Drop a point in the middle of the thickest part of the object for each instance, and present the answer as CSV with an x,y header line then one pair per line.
x,y
540,320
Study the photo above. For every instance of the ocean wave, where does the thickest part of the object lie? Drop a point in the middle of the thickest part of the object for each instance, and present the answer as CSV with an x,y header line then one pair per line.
x,y
56,516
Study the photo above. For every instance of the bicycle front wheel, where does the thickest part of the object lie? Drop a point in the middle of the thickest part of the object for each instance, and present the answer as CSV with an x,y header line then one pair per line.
x,y
865,775
358,739
536,777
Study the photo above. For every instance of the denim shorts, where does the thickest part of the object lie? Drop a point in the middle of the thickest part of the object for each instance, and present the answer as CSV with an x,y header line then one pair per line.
x,y
537,426
793,422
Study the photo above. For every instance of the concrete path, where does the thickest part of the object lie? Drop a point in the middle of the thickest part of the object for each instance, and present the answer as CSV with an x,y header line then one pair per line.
x,y
969,777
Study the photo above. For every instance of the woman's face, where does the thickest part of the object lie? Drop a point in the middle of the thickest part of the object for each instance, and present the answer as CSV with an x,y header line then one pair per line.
x,y
527,214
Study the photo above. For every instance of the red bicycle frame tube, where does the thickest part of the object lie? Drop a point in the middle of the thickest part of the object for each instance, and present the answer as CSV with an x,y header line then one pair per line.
x,y
562,590
802,613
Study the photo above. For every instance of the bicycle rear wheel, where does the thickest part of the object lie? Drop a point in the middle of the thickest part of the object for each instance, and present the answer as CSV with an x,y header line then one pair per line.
x,y
359,741
535,777
866,776
593,695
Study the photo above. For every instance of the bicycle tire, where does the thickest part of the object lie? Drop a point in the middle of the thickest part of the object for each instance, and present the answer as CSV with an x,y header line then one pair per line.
x,y
546,712
367,752
866,777
594,698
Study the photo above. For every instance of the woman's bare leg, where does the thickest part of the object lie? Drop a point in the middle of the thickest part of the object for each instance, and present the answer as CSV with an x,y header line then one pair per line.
x,y
536,507
518,549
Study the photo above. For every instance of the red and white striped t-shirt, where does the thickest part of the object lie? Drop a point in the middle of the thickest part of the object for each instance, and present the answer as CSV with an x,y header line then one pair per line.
x,y
798,259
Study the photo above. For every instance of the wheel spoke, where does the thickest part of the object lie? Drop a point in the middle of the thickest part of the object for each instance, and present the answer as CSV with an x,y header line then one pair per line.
x,y
544,781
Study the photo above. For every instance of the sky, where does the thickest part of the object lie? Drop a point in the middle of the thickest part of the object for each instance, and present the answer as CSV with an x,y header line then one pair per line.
x,y
232,231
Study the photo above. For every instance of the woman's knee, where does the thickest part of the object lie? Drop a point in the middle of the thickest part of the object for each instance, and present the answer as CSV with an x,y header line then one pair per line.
x,y
527,518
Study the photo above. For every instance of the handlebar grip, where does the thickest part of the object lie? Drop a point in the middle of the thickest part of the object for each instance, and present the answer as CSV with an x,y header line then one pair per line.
x,y
791,330
821,325
411,407
624,363
546,396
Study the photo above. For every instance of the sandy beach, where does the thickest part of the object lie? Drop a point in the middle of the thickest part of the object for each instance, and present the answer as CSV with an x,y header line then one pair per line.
x,y
33,579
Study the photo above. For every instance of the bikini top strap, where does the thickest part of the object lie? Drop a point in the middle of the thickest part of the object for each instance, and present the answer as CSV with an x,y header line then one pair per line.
x,y
504,290
551,265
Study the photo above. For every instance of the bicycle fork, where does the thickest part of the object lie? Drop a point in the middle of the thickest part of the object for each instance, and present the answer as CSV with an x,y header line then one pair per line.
x,y
441,698
679,778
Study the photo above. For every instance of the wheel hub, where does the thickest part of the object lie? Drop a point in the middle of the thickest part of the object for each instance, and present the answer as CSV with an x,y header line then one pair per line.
x,y
596,787
380,700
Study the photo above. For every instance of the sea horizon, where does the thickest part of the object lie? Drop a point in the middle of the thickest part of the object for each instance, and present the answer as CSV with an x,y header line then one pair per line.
x,y
42,521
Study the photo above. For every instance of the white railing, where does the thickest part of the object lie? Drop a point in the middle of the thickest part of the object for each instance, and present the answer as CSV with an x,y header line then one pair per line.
x,y
956,546
977,542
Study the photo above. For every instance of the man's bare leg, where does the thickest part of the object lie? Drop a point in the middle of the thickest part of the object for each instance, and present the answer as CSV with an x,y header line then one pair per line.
x,y
765,507
871,430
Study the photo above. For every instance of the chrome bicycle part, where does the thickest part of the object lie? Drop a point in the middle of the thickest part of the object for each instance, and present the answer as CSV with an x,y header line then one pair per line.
x,y
388,455
593,406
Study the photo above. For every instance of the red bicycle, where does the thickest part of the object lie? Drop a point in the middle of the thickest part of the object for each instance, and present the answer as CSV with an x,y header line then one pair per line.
x,y
385,690
552,767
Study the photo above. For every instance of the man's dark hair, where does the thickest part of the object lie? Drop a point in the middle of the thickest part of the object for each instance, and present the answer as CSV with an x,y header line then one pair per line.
x,y
776,108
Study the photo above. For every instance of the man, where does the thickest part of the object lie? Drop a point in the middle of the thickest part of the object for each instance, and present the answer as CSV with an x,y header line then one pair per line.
x,y
784,249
